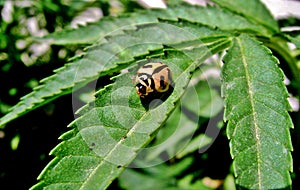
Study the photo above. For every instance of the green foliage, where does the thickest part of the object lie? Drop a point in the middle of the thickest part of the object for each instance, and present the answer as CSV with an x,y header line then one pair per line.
x,y
116,126
117,131
210,16
110,55
253,10
255,97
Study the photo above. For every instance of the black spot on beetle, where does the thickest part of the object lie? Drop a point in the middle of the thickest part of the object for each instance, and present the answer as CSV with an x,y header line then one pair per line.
x,y
146,82
162,82
158,69
141,88
144,76
148,66
152,85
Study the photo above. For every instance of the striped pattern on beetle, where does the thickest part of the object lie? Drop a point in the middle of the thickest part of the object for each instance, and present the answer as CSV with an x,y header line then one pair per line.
x,y
153,78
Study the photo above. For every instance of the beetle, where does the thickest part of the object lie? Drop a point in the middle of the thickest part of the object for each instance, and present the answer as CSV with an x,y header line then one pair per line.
x,y
153,78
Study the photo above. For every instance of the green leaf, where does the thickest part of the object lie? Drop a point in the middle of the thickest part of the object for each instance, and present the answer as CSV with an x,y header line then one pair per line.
x,y
176,138
254,10
210,102
187,183
197,143
115,127
112,55
130,179
295,40
158,176
256,109
95,31
14,143
210,16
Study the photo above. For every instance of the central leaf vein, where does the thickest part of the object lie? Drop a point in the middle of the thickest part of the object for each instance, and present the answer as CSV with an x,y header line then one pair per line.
x,y
251,98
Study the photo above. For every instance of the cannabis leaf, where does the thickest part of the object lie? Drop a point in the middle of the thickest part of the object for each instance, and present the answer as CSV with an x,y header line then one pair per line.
x,y
117,126
211,16
112,130
253,10
111,55
256,111
81,71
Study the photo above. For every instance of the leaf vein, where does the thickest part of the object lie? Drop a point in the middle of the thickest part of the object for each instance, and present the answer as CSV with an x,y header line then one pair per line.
x,y
250,91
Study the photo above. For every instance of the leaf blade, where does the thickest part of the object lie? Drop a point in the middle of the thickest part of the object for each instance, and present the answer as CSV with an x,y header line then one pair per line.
x,y
211,16
252,103
254,10
108,138
75,75
116,53
111,158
